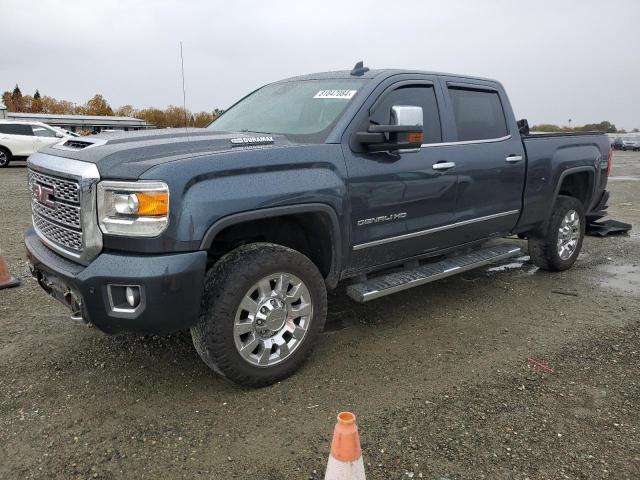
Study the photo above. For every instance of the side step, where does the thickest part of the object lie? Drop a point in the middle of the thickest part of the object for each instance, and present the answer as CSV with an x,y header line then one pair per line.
x,y
412,277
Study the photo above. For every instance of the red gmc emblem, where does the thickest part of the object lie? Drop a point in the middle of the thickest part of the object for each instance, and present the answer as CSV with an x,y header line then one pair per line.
x,y
43,195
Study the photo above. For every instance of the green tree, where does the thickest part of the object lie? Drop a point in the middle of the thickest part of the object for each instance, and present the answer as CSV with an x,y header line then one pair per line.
x,y
604,126
125,111
546,127
97,106
36,103
14,101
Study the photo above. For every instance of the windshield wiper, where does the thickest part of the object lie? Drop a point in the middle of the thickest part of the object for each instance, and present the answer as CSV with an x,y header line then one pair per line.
x,y
255,131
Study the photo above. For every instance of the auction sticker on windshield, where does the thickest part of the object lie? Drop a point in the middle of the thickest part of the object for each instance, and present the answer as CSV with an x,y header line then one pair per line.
x,y
345,94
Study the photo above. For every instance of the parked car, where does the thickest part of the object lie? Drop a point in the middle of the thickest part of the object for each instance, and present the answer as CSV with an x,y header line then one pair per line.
x,y
19,139
631,144
382,179
616,143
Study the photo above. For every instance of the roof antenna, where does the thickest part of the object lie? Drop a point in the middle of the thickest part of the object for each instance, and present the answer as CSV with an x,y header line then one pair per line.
x,y
184,92
359,69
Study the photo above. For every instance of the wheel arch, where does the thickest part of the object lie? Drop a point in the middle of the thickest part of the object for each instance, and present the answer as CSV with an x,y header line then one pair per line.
x,y
4,147
303,216
577,182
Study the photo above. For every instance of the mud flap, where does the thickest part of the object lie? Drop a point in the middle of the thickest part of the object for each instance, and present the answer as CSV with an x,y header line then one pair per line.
x,y
606,227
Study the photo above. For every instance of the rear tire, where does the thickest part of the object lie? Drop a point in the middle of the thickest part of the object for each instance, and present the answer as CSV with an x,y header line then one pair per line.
x,y
263,308
557,248
5,157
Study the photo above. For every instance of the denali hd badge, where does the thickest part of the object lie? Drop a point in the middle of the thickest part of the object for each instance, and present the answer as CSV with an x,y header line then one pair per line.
x,y
382,218
252,140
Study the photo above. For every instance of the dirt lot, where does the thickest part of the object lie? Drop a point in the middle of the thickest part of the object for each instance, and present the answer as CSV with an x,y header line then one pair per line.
x,y
438,377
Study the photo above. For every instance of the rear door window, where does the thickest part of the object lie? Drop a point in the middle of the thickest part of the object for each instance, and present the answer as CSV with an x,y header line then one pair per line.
x,y
416,96
478,114
15,129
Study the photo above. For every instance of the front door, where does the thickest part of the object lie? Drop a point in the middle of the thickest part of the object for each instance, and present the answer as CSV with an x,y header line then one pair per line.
x,y
398,200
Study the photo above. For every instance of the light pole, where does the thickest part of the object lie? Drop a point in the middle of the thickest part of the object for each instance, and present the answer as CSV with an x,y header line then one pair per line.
x,y
569,123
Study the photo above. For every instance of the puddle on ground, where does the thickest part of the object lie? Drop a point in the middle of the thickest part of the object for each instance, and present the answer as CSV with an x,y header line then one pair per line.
x,y
625,278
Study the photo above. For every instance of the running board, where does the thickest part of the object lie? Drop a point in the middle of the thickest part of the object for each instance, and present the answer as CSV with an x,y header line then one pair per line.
x,y
412,277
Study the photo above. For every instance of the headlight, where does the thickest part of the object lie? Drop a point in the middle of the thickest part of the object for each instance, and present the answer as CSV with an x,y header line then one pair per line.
x,y
135,209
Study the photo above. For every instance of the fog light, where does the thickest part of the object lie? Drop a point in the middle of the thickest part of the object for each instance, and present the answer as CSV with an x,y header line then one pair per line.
x,y
133,296
125,299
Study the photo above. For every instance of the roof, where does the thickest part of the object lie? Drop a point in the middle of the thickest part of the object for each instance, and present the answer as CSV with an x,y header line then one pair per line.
x,y
377,73
78,120
74,117
25,122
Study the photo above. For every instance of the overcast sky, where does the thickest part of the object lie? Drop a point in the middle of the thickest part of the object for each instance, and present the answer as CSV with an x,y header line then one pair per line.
x,y
577,59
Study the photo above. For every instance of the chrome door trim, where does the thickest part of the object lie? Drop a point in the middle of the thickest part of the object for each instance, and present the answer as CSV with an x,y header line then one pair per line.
x,y
467,142
420,233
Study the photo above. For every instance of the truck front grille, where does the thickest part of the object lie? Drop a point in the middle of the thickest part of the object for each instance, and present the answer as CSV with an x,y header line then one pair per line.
x,y
57,215
68,238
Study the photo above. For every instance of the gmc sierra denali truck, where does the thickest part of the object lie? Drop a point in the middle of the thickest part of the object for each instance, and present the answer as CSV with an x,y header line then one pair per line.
x,y
381,179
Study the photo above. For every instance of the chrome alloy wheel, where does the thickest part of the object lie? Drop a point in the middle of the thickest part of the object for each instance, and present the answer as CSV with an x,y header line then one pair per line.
x,y
568,235
4,159
272,319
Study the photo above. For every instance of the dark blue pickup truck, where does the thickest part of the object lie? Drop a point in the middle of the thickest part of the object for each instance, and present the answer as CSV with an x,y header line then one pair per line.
x,y
383,179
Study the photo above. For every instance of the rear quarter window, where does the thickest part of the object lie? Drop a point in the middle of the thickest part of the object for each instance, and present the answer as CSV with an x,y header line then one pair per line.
x,y
478,114
15,129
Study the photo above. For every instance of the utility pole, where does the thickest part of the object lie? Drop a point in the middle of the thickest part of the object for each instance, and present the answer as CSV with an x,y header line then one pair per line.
x,y
569,123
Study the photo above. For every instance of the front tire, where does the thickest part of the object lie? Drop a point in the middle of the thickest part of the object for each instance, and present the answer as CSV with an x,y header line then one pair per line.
x,y
5,157
263,308
557,248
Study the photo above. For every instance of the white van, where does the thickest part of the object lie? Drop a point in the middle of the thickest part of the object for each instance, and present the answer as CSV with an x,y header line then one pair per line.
x,y
19,139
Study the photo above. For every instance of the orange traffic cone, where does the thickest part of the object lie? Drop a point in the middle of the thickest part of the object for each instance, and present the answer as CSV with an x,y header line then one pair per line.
x,y
6,280
345,460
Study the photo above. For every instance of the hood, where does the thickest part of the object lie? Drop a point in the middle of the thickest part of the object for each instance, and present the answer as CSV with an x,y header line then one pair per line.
x,y
126,155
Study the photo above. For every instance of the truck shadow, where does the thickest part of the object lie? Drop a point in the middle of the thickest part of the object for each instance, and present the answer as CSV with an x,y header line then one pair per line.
x,y
171,359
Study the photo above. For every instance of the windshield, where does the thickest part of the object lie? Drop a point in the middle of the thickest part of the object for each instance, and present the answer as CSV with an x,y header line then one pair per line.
x,y
302,110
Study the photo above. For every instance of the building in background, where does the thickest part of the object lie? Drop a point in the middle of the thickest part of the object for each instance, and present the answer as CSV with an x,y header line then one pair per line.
x,y
78,123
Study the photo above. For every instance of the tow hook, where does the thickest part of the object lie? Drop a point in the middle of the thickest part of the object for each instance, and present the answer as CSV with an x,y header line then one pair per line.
x,y
76,306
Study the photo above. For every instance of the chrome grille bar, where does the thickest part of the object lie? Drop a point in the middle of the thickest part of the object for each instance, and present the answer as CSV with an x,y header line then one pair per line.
x,y
63,236
62,189
68,215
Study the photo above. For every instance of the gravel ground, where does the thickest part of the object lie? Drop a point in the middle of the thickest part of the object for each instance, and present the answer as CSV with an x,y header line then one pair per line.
x,y
439,377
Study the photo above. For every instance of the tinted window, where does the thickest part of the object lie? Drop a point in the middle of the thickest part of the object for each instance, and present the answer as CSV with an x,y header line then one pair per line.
x,y
39,131
478,114
15,129
415,96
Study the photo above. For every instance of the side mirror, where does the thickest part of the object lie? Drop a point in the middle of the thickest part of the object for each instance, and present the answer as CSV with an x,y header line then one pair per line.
x,y
403,134
59,135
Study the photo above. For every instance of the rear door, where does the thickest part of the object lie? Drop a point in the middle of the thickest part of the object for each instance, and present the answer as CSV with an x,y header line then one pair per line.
x,y
489,158
398,200
18,137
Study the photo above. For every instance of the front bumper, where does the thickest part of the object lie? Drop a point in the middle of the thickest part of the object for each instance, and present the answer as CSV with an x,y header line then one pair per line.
x,y
171,287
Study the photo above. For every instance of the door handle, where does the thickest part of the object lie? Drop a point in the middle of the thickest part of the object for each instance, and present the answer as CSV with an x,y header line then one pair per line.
x,y
513,158
443,165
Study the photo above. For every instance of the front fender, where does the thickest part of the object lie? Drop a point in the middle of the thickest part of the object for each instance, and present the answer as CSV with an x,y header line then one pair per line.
x,y
207,188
